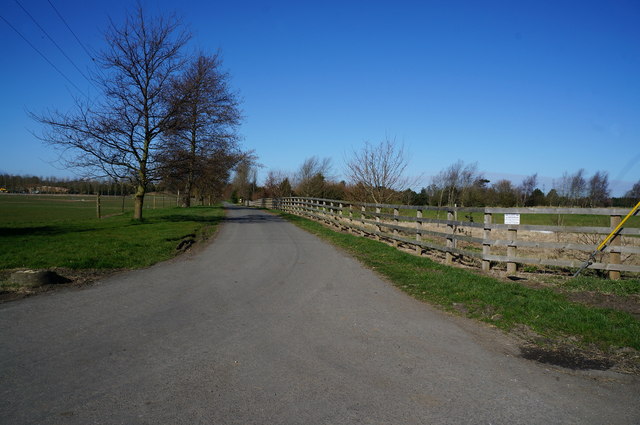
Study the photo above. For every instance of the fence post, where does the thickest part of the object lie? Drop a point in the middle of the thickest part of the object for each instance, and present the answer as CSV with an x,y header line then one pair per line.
x,y
486,246
450,230
396,222
331,213
614,255
98,209
418,231
363,209
351,218
378,210
512,267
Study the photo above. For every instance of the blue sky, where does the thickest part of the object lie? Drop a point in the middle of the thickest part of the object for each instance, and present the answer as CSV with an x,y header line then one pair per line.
x,y
518,87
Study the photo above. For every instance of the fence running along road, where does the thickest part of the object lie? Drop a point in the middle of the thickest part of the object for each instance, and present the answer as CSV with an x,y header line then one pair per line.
x,y
488,243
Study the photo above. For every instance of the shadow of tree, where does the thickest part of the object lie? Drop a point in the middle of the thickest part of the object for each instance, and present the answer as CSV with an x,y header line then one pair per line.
x,y
255,219
184,217
39,230
64,228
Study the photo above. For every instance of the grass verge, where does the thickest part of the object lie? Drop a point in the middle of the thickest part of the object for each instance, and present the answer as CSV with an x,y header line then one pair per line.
x,y
503,304
112,243
605,286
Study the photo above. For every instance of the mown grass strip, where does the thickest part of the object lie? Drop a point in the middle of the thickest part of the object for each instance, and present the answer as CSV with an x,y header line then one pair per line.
x,y
503,304
111,243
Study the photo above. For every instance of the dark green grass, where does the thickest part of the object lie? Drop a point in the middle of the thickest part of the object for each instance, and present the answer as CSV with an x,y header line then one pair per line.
x,y
51,240
504,304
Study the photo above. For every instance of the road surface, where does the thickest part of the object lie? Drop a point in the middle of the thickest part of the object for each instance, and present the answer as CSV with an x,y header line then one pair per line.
x,y
270,325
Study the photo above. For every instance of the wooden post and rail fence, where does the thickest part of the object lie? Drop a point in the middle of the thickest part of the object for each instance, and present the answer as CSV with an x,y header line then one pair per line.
x,y
489,237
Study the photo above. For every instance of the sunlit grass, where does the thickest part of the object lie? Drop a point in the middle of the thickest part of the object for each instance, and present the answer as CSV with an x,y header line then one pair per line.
x,y
37,236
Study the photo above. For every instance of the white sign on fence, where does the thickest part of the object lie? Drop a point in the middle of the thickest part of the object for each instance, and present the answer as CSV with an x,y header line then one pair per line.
x,y
512,219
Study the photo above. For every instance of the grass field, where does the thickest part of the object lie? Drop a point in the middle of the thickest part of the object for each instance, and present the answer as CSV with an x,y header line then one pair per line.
x,y
503,304
51,231
25,208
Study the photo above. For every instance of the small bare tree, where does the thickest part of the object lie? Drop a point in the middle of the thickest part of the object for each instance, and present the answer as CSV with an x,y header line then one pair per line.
x,y
634,192
277,184
599,191
456,180
527,187
311,176
118,135
245,179
572,188
379,170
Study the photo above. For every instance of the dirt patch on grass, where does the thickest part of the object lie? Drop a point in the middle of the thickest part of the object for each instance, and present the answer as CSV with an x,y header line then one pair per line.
x,y
570,356
627,303
566,357
630,304
76,278
569,353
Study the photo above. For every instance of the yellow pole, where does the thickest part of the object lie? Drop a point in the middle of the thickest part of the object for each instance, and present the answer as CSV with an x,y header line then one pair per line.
x,y
604,243
618,227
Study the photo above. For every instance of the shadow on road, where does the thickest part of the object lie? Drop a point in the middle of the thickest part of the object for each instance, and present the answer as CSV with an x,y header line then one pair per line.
x,y
251,215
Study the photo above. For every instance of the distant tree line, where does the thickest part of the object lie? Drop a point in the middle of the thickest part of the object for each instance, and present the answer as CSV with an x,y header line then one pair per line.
x,y
375,173
57,185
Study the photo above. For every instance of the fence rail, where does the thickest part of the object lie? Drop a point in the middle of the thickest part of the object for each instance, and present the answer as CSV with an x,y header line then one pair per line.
x,y
486,242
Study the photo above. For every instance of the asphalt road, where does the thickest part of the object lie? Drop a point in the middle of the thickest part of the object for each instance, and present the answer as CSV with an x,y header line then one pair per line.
x,y
269,325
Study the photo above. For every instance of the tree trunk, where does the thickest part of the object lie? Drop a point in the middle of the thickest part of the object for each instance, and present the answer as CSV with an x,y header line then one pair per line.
x,y
186,198
138,202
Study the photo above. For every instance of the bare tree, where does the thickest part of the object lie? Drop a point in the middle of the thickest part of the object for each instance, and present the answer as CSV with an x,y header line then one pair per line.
x,y
634,192
599,191
572,188
203,131
456,180
578,187
117,136
311,176
245,178
380,170
277,184
527,187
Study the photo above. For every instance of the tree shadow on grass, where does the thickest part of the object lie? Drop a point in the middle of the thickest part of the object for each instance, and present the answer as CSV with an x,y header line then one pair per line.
x,y
183,217
63,228
37,230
